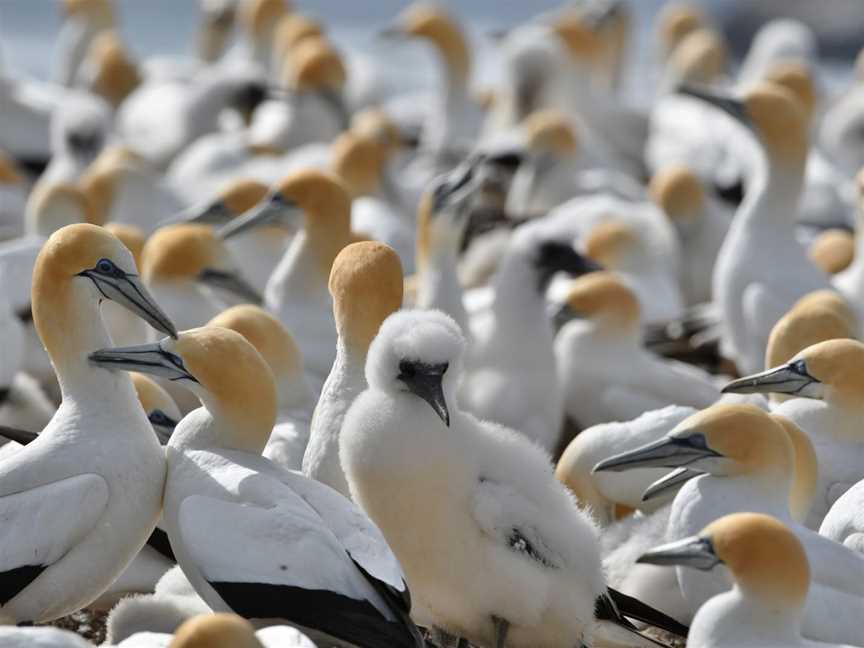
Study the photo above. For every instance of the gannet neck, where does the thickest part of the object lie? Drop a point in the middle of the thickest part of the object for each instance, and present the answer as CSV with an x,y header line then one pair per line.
x,y
737,615
806,470
771,202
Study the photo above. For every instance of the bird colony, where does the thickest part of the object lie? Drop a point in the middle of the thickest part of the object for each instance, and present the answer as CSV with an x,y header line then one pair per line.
x,y
295,356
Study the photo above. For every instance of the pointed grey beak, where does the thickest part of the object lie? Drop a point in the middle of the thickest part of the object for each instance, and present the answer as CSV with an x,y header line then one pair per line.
x,y
730,105
163,425
668,452
695,552
669,483
426,382
145,358
215,213
791,378
232,283
273,210
18,436
128,290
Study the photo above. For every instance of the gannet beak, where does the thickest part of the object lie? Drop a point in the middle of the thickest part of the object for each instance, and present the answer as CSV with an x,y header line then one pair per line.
x,y
791,378
392,32
144,358
563,315
163,425
668,452
695,552
669,483
232,283
730,105
128,290
274,210
557,257
215,213
426,382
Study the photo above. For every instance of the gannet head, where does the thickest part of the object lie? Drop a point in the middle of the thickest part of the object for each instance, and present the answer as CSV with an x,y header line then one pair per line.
x,y
221,368
723,440
550,132
583,43
101,179
90,256
796,77
828,370
419,353
237,198
679,193
433,24
359,161
130,236
767,560
700,57
100,13
677,20
218,18
161,410
612,244
259,17
112,73
216,631
80,126
10,174
544,256
291,31
191,252
366,285
603,298
833,250
315,66
53,206
374,123
806,471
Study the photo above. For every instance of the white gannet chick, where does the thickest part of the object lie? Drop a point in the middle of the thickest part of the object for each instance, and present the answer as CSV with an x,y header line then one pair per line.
x,y
273,341
259,19
318,206
338,561
700,223
482,561
231,631
453,124
770,577
850,282
604,371
122,188
100,476
189,269
41,638
108,71
761,268
13,197
832,251
629,251
52,206
829,397
512,376
83,21
740,458
123,327
366,286
258,250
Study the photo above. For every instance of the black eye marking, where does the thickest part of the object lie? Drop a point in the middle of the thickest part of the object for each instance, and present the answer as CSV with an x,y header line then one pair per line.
x,y
407,369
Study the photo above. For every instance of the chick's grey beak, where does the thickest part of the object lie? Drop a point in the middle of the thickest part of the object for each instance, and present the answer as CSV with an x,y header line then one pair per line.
x,y
669,484
274,210
695,552
145,358
426,382
129,291
668,452
232,283
791,378
730,105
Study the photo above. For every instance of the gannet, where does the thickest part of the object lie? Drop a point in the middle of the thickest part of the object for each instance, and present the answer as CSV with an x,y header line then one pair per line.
x,y
161,410
740,458
512,377
701,225
52,206
500,555
829,398
27,111
778,40
108,70
761,269
103,505
273,341
297,290
259,19
770,575
366,286
83,20
216,473
13,196
218,19
123,327
832,251
258,250
605,372
231,631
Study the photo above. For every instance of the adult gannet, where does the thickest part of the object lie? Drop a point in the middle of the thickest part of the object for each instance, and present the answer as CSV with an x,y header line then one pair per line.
x,y
701,225
828,403
52,206
740,458
832,251
500,555
83,21
603,369
770,575
366,286
336,576
297,290
13,197
761,269
512,377
103,504
108,70
272,340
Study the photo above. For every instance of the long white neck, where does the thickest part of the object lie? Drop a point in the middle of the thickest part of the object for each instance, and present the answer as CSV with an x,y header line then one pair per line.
x,y
297,273
439,286
771,202
745,620
519,305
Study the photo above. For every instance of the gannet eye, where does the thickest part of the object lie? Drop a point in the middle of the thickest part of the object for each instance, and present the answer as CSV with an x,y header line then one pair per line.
x,y
105,266
407,369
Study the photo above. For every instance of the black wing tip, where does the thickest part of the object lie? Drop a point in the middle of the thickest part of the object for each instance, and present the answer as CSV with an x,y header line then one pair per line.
x,y
634,608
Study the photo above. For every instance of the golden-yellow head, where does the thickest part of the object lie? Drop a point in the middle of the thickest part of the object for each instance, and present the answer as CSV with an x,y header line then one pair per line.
x,y
374,123
359,161
604,298
610,242
132,237
215,631
583,43
797,79
153,397
678,192
241,195
52,206
116,74
677,20
550,131
833,250
181,251
700,57
779,121
291,30
836,364
432,23
313,66
259,17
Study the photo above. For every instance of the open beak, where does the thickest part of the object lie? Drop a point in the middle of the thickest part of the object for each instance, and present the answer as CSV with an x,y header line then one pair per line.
x,y
668,452
274,210
791,378
696,552
230,282
144,358
730,105
128,290
426,382
669,483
